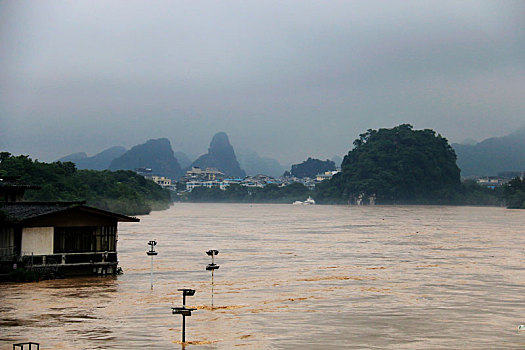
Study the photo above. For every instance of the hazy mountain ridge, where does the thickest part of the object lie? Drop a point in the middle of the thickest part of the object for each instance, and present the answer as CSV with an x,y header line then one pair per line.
x,y
99,161
253,164
221,156
156,154
493,155
73,157
183,159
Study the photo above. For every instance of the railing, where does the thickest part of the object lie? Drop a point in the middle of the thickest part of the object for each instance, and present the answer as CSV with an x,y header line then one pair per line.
x,y
21,346
7,253
69,258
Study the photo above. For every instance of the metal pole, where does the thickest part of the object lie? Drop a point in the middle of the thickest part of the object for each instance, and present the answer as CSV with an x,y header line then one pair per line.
x,y
183,328
151,273
151,253
213,262
183,318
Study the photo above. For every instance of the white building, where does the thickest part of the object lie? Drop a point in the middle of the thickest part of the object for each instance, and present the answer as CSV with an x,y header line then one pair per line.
x,y
161,181
327,175
190,185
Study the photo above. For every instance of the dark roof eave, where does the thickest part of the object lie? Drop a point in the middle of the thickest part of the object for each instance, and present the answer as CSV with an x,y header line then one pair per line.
x,y
62,207
119,217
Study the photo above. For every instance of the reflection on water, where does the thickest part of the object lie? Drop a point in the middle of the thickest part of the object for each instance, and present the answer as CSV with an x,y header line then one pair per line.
x,y
292,277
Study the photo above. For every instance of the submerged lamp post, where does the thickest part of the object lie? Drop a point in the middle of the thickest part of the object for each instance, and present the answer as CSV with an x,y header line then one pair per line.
x,y
152,253
184,311
212,267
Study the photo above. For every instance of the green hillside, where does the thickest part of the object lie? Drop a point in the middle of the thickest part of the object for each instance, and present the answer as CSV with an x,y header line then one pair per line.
x,y
398,165
120,191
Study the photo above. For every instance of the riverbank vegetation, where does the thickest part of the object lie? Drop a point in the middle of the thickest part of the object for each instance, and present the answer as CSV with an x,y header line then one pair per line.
x,y
310,168
241,194
514,194
120,191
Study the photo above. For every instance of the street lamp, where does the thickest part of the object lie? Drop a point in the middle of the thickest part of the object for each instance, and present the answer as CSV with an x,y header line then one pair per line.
x,y
152,253
212,267
184,311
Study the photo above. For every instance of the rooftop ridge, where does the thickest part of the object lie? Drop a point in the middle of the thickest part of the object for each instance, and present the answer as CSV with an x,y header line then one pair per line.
x,y
44,202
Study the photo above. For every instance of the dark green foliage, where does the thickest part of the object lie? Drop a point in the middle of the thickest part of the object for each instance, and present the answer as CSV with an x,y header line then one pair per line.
x,y
204,194
288,194
121,191
397,165
23,275
311,167
241,194
473,194
514,194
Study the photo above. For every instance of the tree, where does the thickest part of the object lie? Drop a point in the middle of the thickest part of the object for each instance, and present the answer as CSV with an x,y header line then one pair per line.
x,y
120,191
311,167
398,165
514,193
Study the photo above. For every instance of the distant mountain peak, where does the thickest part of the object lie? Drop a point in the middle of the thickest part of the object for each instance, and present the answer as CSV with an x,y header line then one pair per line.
x,y
156,154
221,156
220,139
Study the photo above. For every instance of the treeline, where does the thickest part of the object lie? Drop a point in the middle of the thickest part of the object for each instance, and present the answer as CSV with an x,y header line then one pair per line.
x,y
514,194
241,194
468,193
120,191
310,168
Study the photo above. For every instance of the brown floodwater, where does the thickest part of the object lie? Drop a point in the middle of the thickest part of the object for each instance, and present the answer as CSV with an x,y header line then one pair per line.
x,y
292,277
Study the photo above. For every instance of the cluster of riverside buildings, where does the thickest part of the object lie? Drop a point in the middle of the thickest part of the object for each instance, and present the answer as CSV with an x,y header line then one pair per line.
x,y
211,177
493,182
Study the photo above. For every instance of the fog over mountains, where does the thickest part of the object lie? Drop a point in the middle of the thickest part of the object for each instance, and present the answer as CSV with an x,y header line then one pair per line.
x,y
154,154
493,155
99,161
158,155
486,158
287,79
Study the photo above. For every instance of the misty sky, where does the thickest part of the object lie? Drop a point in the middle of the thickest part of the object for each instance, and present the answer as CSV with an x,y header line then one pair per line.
x,y
289,79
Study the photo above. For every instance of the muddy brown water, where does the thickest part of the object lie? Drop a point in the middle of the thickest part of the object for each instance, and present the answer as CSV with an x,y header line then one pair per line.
x,y
307,277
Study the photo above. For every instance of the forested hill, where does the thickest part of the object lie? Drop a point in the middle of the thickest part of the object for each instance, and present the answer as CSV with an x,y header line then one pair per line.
x,y
120,191
398,165
311,167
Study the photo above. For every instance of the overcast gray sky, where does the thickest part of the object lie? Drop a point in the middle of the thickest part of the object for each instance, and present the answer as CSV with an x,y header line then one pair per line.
x,y
289,79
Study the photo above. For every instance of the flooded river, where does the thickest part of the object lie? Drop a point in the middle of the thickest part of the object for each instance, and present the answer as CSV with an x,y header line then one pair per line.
x,y
293,277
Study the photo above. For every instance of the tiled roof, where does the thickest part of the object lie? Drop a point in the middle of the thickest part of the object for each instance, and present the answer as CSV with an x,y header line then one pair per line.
x,y
13,182
22,211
